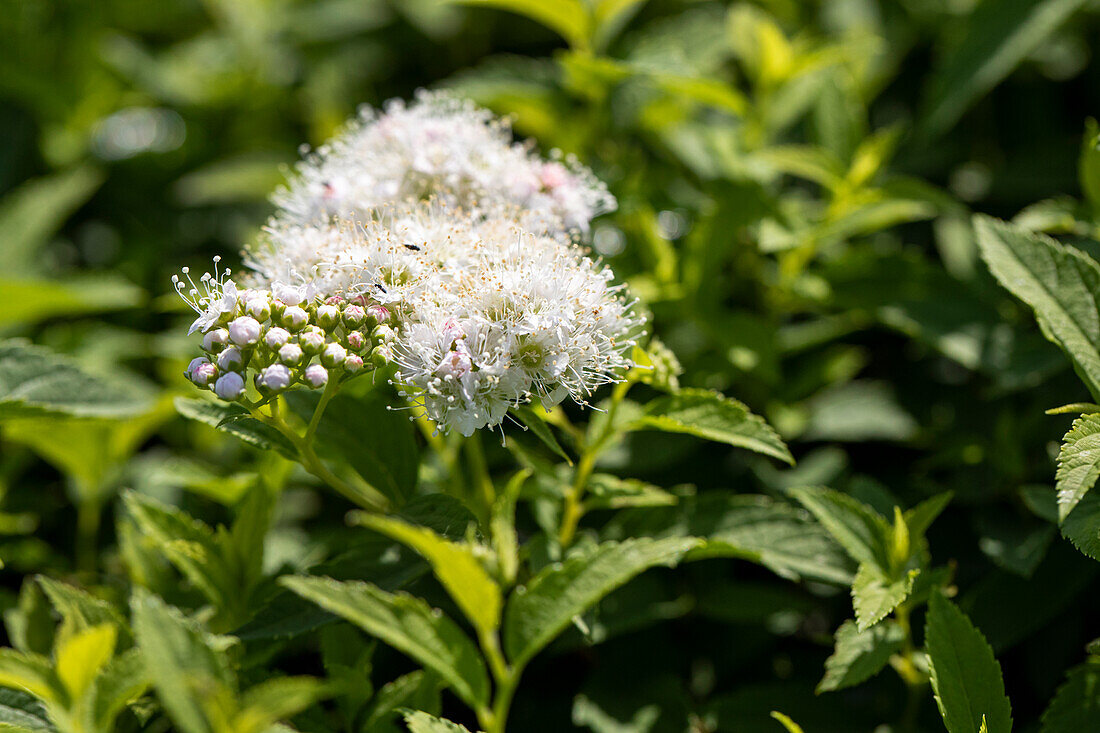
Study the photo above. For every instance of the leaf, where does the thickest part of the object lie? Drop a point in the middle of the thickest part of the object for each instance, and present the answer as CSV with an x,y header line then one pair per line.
x,y
786,722
456,566
859,410
272,700
568,18
1088,164
82,610
874,595
1059,283
31,673
920,517
33,212
182,663
862,532
859,655
122,681
606,491
539,611
30,300
419,722
1082,526
246,537
966,678
709,415
20,711
81,654
1078,463
407,624
998,35
233,419
35,381
541,429
1076,705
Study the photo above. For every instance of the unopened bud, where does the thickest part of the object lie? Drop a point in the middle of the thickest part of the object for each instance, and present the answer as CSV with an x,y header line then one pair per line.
x,y
291,354
201,372
316,376
381,355
378,314
353,363
294,318
356,340
258,308
383,333
276,338
274,378
354,316
214,341
244,331
231,360
336,300
230,386
312,340
333,355
328,317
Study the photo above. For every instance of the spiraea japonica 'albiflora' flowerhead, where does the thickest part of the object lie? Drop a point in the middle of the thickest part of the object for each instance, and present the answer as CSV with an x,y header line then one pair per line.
x,y
425,238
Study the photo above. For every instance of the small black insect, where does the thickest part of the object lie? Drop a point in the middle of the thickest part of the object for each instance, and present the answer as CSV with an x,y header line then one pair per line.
x,y
413,247
379,286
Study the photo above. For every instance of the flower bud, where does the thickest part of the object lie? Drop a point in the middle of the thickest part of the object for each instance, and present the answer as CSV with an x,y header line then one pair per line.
x,y
201,372
244,331
274,378
291,354
355,340
294,318
383,333
381,355
276,338
258,308
354,316
353,363
231,360
333,355
328,317
214,341
378,314
230,386
336,300
316,376
312,340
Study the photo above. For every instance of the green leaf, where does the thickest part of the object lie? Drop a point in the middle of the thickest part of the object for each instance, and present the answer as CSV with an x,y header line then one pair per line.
x,y
35,381
419,722
82,610
268,702
606,491
81,654
245,543
182,662
540,611
122,681
786,722
30,300
859,655
407,624
1078,463
862,532
541,429
20,711
966,678
709,415
1088,164
1076,705
456,566
920,517
31,673
1059,283
34,211
234,419
875,595
409,691
568,18
1082,526
998,35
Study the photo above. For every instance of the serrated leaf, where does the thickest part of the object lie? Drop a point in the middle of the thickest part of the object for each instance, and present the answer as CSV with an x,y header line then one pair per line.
x,y
874,595
539,611
920,517
20,711
1082,526
1059,283
272,700
233,419
82,610
420,722
966,678
709,415
35,381
458,569
183,664
1088,164
31,673
606,491
997,36
570,19
541,429
859,655
1078,463
862,532
409,625
1076,705
122,681
81,654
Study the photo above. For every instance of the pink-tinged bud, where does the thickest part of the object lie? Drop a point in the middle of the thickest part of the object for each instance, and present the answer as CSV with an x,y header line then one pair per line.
x,y
360,300
201,372
258,308
276,338
229,386
353,363
312,340
216,340
316,376
328,317
274,378
378,313
294,318
291,354
354,315
333,355
334,300
231,360
244,331
356,340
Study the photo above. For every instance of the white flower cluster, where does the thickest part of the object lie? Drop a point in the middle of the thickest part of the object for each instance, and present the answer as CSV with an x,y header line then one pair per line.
x,y
432,221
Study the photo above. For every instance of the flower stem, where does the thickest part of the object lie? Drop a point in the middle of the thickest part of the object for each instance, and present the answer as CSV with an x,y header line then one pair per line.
x,y
482,482
507,680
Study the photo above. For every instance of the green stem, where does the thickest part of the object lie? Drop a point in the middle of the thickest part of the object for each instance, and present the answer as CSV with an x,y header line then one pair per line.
x,y
331,389
88,514
911,675
483,482
507,680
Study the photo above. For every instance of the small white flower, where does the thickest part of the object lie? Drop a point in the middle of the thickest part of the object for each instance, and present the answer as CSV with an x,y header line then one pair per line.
x,y
230,386
316,375
244,331
214,298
